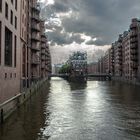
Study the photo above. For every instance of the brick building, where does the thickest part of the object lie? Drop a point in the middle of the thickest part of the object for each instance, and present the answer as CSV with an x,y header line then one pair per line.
x,y
9,49
118,57
126,68
93,68
25,59
135,48
122,60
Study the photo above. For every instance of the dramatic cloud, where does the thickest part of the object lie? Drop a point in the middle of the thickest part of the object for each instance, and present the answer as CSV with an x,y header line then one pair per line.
x,y
63,38
101,20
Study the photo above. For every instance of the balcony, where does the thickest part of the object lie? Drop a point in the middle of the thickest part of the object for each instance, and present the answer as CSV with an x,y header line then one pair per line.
x,y
43,52
134,40
119,46
119,58
35,17
119,53
35,37
133,58
35,60
43,66
36,8
46,53
43,39
133,46
43,58
133,25
43,46
133,52
120,49
35,27
134,65
133,33
35,47
43,35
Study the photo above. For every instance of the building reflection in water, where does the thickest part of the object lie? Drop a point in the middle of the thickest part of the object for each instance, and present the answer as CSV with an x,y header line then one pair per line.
x,y
87,111
25,123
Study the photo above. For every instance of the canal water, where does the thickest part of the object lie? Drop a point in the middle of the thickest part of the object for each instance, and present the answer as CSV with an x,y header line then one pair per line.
x,y
96,110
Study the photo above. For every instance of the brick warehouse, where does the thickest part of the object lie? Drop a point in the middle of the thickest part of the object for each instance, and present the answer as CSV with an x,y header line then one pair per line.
x,y
25,59
122,60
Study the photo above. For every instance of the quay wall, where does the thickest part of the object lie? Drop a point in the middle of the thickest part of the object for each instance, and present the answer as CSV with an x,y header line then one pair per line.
x,y
9,106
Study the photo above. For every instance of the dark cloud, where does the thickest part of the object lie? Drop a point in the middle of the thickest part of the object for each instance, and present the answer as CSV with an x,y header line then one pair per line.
x,y
58,7
90,42
63,38
102,19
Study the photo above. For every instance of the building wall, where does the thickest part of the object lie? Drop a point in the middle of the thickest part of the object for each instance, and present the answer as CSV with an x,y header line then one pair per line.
x,y
24,37
123,58
35,42
93,68
20,53
45,53
135,47
112,59
118,57
10,75
107,62
126,72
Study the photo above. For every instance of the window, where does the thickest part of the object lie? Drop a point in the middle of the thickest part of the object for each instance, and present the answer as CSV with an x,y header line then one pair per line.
x,y
10,75
0,5
16,4
12,1
8,47
0,42
11,19
6,10
22,18
25,21
5,75
23,4
22,32
15,22
23,61
15,51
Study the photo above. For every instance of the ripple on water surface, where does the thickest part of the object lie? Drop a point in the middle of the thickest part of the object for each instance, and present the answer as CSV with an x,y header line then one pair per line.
x,y
96,110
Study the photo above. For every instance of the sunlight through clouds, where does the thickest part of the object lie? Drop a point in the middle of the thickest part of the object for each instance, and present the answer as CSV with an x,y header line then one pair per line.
x,y
82,24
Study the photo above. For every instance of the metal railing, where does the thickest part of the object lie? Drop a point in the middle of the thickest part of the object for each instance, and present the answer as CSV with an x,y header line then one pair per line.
x,y
16,97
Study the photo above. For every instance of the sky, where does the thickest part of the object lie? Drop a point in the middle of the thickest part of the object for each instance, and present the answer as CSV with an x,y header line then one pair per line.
x,y
86,25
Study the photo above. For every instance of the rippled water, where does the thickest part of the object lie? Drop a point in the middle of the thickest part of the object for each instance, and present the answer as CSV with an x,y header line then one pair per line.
x,y
97,110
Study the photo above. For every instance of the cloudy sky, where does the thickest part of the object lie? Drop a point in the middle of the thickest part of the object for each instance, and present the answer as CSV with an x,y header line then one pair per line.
x,y
87,25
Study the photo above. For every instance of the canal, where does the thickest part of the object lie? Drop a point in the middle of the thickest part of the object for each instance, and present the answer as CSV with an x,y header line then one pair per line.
x,y
97,110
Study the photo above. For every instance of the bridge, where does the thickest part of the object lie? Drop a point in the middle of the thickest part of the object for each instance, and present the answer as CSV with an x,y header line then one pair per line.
x,y
88,75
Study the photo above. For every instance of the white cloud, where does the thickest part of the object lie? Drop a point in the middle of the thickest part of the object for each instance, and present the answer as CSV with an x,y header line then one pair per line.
x,y
86,24
47,2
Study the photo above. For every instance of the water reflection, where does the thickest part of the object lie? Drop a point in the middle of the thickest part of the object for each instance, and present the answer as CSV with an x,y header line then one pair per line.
x,y
78,85
96,110
26,122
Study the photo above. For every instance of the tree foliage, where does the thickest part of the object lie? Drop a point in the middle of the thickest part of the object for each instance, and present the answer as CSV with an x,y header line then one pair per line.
x,y
65,69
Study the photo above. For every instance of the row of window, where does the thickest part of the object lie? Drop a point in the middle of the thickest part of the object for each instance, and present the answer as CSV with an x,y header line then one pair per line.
x,y
8,56
11,15
14,2
10,75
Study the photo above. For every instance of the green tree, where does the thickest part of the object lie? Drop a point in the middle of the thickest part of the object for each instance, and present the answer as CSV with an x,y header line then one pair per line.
x,y
65,69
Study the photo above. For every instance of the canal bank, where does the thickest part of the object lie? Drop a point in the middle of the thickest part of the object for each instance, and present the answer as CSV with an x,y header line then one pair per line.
x,y
124,80
9,106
